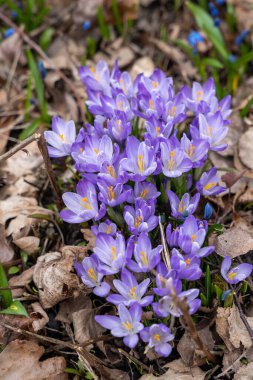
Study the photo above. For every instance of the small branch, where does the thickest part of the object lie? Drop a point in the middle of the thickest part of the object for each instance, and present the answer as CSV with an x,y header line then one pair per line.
x,y
243,318
165,253
43,55
133,359
20,146
51,175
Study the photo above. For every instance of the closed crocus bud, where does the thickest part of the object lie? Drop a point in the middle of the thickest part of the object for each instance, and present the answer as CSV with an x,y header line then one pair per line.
x,y
208,211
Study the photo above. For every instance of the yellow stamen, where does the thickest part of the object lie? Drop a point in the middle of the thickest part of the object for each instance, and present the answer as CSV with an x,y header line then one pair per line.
x,y
127,325
111,194
96,150
92,69
181,207
62,137
172,111
200,95
209,131
92,274
81,150
120,105
114,253
111,171
193,237
108,230
144,258
132,292
231,275
155,84
141,163
209,185
187,262
137,221
190,150
119,125
144,193
171,162
157,337
151,104
158,129
86,204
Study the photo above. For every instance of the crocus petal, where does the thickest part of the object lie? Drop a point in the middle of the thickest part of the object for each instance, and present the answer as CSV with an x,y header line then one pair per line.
x,y
131,340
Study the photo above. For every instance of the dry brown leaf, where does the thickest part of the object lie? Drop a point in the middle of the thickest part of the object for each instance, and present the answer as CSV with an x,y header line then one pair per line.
x,y
22,279
143,65
244,13
39,323
231,329
245,148
245,372
54,277
178,371
73,304
9,48
234,132
247,196
113,374
188,349
6,252
30,244
20,361
18,210
234,242
18,321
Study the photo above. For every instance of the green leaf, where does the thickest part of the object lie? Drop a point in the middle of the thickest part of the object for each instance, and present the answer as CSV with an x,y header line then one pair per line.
x,y
203,299
213,62
13,270
216,228
38,84
243,60
218,292
40,216
115,9
32,128
15,308
102,24
6,296
46,38
206,23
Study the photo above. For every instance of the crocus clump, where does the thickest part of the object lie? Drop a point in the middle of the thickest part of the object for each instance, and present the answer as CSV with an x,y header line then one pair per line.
x,y
144,157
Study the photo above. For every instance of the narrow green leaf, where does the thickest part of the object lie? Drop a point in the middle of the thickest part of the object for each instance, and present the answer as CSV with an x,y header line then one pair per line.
x,y
6,296
203,299
206,23
102,24
213,62
115,9
15,308
40,216
246,58
46,38
218,292
32,128
38,84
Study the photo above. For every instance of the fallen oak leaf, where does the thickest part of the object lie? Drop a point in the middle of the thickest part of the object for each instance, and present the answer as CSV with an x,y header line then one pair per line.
x,y
54,277
22,279
29,244
28,353
231,178
39,323
234,242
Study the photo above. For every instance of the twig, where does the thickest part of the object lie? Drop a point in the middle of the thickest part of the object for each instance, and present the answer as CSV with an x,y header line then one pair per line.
x,y
43,55
165,253
133,359
20,146
243,318
224,373
51,175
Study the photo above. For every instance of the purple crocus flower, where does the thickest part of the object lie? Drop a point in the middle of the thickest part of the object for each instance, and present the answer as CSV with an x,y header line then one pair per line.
x,y
191,238
236,274
167,305
130,291
110,252
208,183
146,191
174,159
88,271
141,218
96,79
82,205
113,195
127,325
61,138
199,97
212,129
187,267
106,227
181,209
166,281
196,150
140,161
172,236
145,257
158,336
119,127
